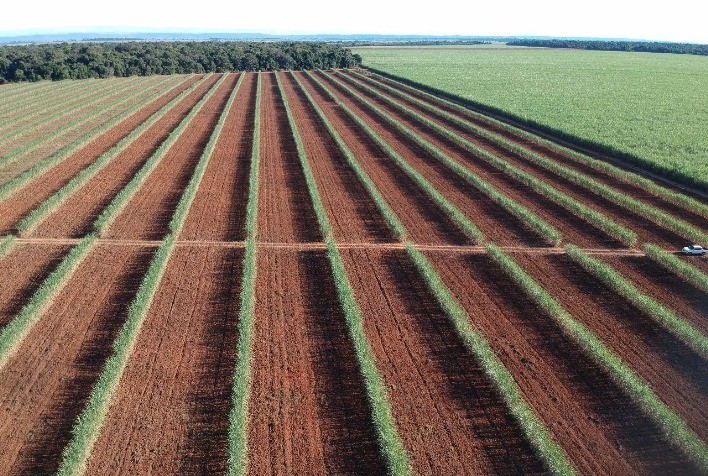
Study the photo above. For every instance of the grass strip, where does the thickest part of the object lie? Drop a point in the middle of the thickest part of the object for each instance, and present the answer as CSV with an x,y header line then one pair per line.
x,y
531,220
673,427
6,244
17,329
237,463
451,210
43,210
397,459
617,283
111,212
384,208
535,432
677,266
24,178
30,97
575,207
97,113
626,176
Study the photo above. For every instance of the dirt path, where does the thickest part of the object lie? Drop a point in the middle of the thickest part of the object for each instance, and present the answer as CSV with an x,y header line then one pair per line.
x,y
46,383
170,412
598,426
308,407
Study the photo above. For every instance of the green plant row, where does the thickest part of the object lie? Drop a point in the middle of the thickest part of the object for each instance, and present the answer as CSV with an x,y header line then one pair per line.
x,y
673,427
532,428
534,431
24,178
626,176
452,211
113,209
30,93
67,106
87,427
573,206
615,281
384,208
677,266
18,328
190,191
237,463
6,245
532,221
43,210
397,459
79,122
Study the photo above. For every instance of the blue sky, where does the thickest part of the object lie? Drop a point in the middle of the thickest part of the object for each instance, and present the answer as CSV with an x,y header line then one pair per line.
x,y
684,21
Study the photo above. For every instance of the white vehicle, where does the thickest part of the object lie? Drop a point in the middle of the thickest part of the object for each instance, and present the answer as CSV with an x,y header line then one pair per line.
x,y
693,250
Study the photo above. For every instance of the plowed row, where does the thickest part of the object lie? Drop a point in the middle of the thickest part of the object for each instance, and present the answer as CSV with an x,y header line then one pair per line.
x,y
309,407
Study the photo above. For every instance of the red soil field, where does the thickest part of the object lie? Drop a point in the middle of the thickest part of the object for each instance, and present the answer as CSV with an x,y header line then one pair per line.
x,y
148,213
559,156
425,222
45,385
170,412
219,209
26,199
21,272
285,213
581,406
308,408
450,417
75,217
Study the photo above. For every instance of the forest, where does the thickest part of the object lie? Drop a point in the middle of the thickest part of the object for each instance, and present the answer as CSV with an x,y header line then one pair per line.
x,y
59,61
636,46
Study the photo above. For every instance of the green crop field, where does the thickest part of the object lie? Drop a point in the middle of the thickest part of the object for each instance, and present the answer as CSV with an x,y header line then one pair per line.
x,y
651,106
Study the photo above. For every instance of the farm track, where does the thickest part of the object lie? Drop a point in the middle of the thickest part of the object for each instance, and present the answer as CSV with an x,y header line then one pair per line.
x,y
308,406
449,414
47,382
24,200
285,211
579,403
559,156
218,212
169,412
75,217
672,369
147,214
424,221
646,230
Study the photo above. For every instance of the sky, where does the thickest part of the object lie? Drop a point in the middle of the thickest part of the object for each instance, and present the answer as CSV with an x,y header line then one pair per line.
x,y
684,21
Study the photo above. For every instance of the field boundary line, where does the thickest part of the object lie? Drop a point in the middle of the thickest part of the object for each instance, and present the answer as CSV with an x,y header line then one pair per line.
x,y
667,319
680,268
464,224
575,207
237,461
672,426
530,220
684,201
111,212
390,444
25,177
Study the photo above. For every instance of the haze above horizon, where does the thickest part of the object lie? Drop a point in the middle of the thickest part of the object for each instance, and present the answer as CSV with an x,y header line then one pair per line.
x,y
553,18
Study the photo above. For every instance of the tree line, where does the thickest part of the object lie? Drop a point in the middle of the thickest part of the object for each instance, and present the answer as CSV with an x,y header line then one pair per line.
x,y
637,46
57,61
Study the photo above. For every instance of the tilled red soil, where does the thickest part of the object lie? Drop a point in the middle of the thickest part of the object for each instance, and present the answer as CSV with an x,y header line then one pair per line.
x,y
308,407
449,415
285,211
219,208
39,189
76,216
170,411
630,189
595,422
22,272
148,213
45,385
424,221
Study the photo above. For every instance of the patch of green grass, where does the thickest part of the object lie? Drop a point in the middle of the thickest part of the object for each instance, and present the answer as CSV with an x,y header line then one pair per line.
x,y
647,107
677,266
6,245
